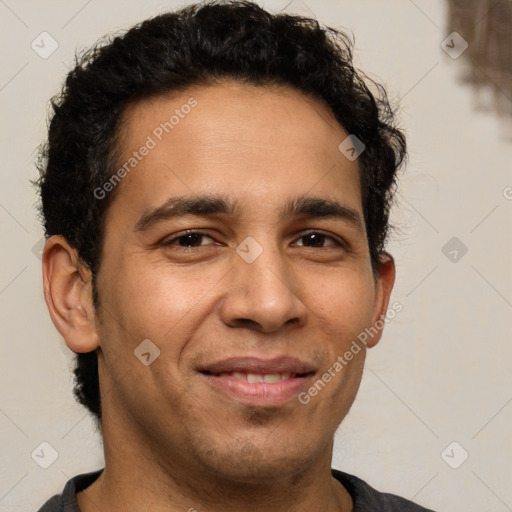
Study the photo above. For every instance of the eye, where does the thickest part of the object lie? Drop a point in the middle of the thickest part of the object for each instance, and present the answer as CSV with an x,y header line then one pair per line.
x,y
191,239
316,239
188,240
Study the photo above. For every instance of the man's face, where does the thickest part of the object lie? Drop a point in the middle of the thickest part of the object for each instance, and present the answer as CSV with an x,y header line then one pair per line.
x,y
262,290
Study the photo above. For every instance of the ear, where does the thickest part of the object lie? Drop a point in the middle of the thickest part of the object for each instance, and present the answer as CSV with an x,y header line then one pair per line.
x,y
384,281
68,294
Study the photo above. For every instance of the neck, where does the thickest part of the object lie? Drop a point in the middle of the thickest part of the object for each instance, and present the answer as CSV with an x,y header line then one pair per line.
x,y
138,493
138,481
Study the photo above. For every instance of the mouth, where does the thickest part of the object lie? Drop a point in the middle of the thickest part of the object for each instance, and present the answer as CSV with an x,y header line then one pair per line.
x,y
259,382
253,378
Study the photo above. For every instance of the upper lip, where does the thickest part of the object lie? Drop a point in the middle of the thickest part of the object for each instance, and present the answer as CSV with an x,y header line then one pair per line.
x,y
256,365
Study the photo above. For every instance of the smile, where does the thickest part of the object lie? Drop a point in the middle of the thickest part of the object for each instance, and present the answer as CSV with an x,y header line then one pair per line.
x,y
258,382
253,378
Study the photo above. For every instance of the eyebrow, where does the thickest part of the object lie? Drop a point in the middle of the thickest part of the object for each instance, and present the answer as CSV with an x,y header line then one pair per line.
x,y
209,205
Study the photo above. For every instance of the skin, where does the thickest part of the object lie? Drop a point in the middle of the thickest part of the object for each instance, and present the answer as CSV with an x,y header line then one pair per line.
x,y
171,441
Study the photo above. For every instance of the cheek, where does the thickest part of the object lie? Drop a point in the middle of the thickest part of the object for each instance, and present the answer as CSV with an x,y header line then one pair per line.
x,y
344,302
157,301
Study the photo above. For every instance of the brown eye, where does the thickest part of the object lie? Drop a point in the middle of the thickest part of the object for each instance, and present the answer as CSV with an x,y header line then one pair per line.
x,y
316,239
186,240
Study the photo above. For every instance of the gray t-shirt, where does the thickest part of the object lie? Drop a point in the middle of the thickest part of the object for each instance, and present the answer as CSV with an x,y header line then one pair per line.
x,y
365,498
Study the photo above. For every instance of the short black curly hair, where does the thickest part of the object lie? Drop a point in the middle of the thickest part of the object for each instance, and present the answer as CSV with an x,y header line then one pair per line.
x,y
197,45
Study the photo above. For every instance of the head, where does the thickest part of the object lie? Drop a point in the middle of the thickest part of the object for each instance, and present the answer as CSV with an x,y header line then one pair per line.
x,y
231,122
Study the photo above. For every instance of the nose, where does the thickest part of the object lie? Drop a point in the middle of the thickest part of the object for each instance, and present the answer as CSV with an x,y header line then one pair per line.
x,y
262,294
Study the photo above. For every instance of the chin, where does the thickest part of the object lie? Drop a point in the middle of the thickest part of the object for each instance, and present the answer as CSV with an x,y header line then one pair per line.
x,y
255,460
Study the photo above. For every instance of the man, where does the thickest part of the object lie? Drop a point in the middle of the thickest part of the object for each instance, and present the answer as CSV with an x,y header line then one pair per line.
x,y
215,191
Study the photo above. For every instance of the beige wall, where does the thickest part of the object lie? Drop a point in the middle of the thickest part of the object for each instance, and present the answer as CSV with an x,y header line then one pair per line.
x,y
440,374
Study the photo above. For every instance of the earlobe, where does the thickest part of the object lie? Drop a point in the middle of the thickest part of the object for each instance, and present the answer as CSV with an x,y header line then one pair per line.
x,y
68,294
384,283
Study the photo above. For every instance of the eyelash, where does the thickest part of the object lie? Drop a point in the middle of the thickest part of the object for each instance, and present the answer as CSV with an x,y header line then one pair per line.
x,y
169,241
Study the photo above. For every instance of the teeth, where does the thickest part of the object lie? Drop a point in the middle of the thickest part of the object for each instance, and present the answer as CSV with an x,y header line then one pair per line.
x,y
272,377
253,378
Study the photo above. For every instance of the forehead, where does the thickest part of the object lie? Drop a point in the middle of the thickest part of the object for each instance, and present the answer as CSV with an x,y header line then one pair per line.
x,y
244,139
228,99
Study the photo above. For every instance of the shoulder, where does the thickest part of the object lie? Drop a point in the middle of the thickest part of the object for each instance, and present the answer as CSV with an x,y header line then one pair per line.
x,y
366,497
66,502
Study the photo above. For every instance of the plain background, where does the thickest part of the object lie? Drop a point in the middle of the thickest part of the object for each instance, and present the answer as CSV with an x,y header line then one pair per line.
x,y
441,373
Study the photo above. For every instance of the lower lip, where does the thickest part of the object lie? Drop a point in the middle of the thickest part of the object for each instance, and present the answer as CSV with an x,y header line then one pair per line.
x,y
260,393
